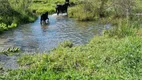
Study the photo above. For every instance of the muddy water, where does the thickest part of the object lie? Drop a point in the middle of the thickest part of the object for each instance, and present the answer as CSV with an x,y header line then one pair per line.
x,y
34,37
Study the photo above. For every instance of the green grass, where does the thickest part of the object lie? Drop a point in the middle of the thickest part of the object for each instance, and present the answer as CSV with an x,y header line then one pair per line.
x,y
96,9
102,58
10,51
123,28
13,13
41,6
4,27
81,15
115,56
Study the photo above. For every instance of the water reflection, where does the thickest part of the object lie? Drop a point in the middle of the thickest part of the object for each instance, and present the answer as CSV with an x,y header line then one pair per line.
x,y
44,27
34,37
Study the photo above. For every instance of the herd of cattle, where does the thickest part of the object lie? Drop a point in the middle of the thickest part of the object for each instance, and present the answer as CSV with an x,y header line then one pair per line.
x,y
60,8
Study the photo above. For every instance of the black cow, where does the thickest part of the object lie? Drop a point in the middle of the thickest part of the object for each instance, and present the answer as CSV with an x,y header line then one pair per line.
x,y
67,1
44,17
62,8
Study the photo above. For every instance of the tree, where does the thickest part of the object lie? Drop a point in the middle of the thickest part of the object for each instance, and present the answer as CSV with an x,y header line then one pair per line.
x,y
20,5
96,7
5,7
102,8
123,7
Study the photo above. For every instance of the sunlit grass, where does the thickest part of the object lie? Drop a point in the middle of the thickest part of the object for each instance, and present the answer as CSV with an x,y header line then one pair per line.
x,y
115,56
96,60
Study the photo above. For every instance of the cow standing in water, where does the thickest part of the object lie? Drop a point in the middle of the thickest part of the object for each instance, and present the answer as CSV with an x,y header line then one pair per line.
x,y
44,18
62,8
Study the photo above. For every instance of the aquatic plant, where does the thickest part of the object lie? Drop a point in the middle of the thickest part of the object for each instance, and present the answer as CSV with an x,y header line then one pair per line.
x,y
13,13
10,50
65,44
123,29
4,27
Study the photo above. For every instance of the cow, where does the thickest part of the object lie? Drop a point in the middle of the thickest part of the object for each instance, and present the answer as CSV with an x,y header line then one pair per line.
x,y
44,18
67,1
62,8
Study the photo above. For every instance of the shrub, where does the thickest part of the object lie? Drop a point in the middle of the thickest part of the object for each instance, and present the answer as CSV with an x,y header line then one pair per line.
x,y
103,58
66,44
123,29
4,27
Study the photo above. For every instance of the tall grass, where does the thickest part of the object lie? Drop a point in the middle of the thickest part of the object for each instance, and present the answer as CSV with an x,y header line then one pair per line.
x,y
95,9
41,6
123,28
102,58
13,13
117,57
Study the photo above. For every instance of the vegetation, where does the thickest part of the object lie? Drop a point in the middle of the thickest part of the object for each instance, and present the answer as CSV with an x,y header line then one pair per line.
x,y
13,12
95,9
103,58
10,51
41,6
116,55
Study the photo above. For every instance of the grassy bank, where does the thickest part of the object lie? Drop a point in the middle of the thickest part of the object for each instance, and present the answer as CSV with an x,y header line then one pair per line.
x,y
103,58
117,55
88,10
13,13
41,6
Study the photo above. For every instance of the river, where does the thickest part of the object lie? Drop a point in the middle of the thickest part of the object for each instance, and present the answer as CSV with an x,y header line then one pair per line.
x,y
33,37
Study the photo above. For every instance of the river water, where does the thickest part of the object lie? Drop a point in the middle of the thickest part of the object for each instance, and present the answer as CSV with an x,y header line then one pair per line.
x,y
33,37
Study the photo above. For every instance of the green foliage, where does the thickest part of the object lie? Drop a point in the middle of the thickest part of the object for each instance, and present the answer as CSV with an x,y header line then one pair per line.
x,y
10,51
95,9
4,27
103,58
80,14
28,60
13,12
66,44
123,29
84,11
41,6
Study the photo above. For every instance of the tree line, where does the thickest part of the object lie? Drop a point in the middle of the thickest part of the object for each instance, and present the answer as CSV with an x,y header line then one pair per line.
x,y
103,8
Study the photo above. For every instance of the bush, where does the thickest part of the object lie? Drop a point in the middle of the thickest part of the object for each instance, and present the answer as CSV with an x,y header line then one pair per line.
x,y
13,13
94,9
103,58
123,29
4,27
66,44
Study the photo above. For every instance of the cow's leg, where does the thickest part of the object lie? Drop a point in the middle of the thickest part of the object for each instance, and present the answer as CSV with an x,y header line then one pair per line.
x,y
57,11
40,21
43,22
66,11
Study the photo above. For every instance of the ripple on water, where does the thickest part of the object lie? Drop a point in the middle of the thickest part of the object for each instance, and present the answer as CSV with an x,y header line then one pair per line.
x,y
33,37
